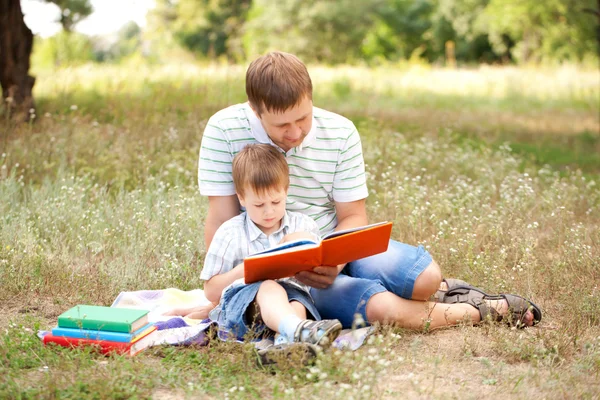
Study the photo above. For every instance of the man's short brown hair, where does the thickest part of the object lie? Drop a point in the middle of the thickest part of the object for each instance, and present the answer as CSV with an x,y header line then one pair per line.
x,y
277,82
260,167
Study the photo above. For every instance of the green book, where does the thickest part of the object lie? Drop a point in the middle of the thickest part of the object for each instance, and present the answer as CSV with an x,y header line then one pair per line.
x,y
103,318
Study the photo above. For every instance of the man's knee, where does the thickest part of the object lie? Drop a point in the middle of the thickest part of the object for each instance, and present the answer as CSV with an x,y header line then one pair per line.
x,y
428,282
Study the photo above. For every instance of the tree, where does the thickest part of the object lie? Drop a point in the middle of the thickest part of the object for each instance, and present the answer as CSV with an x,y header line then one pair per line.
x,y
16,42
557,30
205,27
595,12
315,30
72,11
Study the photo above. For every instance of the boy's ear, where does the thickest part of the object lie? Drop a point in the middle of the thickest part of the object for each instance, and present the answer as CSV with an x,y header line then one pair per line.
x,y
241,200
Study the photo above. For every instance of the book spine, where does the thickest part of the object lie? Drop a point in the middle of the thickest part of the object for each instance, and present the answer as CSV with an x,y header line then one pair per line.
x,y
94,325
104,346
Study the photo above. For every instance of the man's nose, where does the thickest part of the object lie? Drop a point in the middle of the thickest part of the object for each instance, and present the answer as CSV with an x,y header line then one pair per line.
x,y
297,131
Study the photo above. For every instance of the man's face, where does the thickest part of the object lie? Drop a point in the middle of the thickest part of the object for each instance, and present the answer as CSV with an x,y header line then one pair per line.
x,y
289,128
265,210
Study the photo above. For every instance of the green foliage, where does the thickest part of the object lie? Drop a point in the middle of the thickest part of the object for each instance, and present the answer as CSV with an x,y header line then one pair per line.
x,y
353,31
64,48
207,28
330,32
557,30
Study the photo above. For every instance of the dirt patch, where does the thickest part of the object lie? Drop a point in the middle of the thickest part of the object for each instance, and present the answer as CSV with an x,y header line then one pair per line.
x,y
17,310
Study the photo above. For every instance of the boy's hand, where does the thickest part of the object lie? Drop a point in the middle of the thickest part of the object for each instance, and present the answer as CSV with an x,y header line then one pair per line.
x,y
320,277
199,312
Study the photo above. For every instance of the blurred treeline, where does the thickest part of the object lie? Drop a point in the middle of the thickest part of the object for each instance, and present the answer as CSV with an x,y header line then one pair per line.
x,y
443,32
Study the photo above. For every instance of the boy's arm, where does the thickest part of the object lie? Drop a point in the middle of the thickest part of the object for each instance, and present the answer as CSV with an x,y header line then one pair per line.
x,y
215,285
220,209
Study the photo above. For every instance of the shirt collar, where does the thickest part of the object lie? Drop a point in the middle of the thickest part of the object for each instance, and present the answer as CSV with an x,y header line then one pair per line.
x,y
259,133
254,231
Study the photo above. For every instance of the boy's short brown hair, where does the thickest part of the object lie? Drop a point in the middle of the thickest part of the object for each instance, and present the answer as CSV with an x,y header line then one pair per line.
x,y
260,167
277,82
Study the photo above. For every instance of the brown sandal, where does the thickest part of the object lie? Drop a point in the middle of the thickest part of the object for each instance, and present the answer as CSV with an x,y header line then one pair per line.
x,y
452,284
517,305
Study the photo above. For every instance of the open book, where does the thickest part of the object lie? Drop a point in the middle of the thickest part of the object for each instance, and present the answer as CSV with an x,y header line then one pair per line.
x,y
339,247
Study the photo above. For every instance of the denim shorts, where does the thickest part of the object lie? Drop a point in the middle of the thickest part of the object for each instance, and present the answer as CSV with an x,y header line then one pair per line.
x,y
394,270
236,300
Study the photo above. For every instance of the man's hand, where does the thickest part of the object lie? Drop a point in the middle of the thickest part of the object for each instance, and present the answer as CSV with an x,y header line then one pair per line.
x,y
320,277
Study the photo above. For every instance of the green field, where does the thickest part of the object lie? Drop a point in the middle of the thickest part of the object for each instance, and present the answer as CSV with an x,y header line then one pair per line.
x,y
495,170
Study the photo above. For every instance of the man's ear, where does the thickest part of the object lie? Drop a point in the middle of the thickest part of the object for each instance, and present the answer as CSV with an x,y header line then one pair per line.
x,y
254,110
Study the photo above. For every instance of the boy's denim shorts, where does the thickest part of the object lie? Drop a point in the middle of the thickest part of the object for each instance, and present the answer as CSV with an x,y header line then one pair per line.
x,y
236,300
395,271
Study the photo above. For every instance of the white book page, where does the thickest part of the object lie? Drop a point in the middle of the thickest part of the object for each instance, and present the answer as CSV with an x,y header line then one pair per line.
x,y
350,230
288,247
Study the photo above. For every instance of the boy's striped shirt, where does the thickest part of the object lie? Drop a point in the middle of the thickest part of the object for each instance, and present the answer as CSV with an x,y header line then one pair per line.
x,y
328,166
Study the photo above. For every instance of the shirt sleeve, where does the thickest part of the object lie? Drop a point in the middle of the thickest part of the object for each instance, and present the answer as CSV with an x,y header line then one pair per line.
x,y
215,160
349,182
223,253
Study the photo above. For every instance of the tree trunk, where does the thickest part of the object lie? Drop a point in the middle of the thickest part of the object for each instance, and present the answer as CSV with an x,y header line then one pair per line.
x,y
597,14
16,42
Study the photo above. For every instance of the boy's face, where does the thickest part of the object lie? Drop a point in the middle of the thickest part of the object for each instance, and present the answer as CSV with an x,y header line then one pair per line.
x,y
265,210
289,128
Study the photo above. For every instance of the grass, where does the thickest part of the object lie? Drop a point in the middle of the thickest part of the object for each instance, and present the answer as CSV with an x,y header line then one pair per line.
x,y
494,170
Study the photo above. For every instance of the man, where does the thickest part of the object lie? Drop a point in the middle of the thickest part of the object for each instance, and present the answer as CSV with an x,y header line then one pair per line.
x,y
328,183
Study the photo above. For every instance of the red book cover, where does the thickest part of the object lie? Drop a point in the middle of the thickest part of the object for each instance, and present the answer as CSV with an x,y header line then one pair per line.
x,y
336,248
104,346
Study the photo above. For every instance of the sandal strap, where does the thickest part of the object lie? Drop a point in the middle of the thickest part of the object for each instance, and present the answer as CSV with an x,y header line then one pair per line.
x,y
455,286
517,305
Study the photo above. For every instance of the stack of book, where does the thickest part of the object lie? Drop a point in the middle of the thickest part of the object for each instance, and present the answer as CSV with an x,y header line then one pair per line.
x,y
118,330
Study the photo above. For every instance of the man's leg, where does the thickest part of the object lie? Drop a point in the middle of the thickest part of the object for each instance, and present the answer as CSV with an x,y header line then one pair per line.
x,y
349,296
428,282
404,270
387,308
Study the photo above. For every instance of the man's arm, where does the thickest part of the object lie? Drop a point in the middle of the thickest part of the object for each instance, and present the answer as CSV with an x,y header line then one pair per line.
x,y
220,209
350,215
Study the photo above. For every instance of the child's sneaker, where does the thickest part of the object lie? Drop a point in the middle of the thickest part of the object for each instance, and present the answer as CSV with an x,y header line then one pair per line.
x,y
288,354
321,333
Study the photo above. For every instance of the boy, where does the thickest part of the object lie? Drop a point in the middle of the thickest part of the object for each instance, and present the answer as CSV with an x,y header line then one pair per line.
x,y
261,179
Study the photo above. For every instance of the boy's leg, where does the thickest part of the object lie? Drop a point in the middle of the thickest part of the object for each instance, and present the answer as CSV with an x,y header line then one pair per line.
x,y
278,314
299,309
273,304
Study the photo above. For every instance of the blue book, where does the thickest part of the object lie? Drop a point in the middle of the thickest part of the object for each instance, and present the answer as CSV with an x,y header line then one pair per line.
x,y
104,335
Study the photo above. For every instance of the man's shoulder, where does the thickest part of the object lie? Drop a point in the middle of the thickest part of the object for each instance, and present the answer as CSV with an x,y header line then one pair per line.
x,y
232,116
330,120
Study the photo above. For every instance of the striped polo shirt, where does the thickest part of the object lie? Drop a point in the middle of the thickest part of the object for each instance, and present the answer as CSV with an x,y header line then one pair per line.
x,y
327,167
